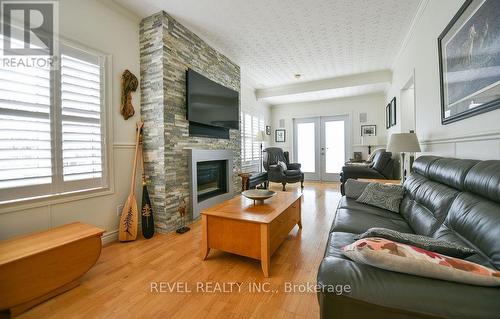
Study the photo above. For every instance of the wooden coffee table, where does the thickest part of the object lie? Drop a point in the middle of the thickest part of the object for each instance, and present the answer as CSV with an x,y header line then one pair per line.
x,y
253,230
381,181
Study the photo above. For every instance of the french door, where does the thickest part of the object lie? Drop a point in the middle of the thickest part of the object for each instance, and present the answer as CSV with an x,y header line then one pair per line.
x,y
321,145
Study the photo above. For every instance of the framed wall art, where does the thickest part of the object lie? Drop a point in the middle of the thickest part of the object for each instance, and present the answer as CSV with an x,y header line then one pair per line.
x,y
393,111
279,135
469,61
368,130
388,116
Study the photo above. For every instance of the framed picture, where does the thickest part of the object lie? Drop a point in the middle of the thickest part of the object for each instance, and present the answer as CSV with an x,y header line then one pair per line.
x,y
469,61
279,135
268,130
368,130
388,116
393,111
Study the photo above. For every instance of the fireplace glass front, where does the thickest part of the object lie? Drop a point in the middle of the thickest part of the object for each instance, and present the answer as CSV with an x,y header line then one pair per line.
x,y
211,179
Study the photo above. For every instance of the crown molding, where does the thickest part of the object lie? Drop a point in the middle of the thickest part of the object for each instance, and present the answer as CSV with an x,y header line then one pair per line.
x,y
118,8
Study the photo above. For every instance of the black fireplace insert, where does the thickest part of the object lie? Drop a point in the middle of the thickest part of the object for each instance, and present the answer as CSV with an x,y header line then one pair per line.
x,y
211,179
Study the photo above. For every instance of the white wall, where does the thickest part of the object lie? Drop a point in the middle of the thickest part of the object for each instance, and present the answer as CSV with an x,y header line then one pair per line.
x,y
372,104
93,25
477,137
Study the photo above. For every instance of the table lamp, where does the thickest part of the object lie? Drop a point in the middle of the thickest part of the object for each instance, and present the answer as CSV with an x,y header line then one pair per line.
x,y
404,143
369,141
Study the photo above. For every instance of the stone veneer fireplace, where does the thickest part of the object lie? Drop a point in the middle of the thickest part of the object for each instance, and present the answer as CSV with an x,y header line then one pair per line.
x,y
210,178
167,50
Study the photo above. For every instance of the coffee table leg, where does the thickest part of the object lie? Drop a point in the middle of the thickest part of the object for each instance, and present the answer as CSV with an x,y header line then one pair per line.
x,y
264,249
204,238
300,213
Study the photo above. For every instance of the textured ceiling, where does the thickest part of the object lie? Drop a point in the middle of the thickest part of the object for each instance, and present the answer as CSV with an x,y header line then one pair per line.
x,y
274,39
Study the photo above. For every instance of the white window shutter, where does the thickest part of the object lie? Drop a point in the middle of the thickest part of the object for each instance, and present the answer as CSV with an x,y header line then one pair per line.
x,y
248,137
25,133
81,117
52,135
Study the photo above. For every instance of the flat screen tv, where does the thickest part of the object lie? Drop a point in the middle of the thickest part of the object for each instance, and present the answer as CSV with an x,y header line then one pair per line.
x,y
210,103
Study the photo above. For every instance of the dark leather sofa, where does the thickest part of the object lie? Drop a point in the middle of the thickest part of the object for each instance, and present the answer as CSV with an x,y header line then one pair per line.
x,y
450,199
276,173
380,167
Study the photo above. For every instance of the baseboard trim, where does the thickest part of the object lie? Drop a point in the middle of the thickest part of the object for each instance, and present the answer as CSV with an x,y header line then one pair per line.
x,y
109,237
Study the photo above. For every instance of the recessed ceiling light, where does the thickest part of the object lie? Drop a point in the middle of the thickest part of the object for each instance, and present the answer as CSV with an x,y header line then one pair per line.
x,y
297,75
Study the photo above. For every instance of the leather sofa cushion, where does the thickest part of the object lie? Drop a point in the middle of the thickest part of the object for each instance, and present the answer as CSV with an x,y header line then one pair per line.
x,y
355,207
402,291
475,220
357,222
484,179
421,165
450,171
425,204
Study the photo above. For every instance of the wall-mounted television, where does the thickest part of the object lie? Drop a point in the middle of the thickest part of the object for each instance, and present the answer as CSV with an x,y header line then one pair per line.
x,y
210,103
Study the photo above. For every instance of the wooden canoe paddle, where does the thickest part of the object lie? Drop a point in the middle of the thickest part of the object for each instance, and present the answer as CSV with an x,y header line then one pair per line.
x,y
147,220
127,230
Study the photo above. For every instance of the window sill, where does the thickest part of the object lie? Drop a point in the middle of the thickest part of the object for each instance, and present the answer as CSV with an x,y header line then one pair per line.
x,y
54,199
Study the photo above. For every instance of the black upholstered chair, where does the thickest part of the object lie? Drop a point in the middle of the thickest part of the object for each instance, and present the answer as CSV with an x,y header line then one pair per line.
x,y
277,173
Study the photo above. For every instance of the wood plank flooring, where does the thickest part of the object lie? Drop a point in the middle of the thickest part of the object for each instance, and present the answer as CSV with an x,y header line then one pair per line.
x,y
119,286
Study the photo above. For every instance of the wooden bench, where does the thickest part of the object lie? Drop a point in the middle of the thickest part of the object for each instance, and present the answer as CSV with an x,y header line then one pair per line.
x,y
39,266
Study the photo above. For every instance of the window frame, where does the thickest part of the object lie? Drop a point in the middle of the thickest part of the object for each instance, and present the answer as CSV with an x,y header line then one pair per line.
x,y
59,191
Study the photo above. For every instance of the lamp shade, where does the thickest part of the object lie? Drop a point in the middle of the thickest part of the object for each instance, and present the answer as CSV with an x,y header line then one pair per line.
x,y
403,142
260,137
369,140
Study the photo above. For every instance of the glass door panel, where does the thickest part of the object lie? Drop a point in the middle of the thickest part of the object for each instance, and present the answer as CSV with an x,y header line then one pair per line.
x,y
334,146
306,143
306,154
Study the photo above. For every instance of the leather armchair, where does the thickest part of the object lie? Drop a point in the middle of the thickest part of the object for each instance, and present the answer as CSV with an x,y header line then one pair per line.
x,y
381,167
276,173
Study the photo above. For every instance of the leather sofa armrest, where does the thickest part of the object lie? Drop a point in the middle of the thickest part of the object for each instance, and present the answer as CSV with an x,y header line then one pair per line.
x,y
359,172
294,166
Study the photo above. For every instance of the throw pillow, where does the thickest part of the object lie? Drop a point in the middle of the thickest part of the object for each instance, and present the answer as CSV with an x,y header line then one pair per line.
x,y
384,196
393,256
432,244
283,165
354,188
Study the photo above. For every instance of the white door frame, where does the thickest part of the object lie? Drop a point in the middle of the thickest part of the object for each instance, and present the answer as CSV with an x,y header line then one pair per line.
x,y
409,85
320,173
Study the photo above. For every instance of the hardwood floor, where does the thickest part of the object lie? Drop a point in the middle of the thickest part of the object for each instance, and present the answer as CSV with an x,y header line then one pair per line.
x,y
119,286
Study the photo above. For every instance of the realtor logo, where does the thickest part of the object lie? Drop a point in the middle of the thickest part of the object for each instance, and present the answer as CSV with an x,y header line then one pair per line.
x,y
28,27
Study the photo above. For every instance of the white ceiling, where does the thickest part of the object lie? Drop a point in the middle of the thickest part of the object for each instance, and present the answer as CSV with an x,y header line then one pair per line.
x,y
272,40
